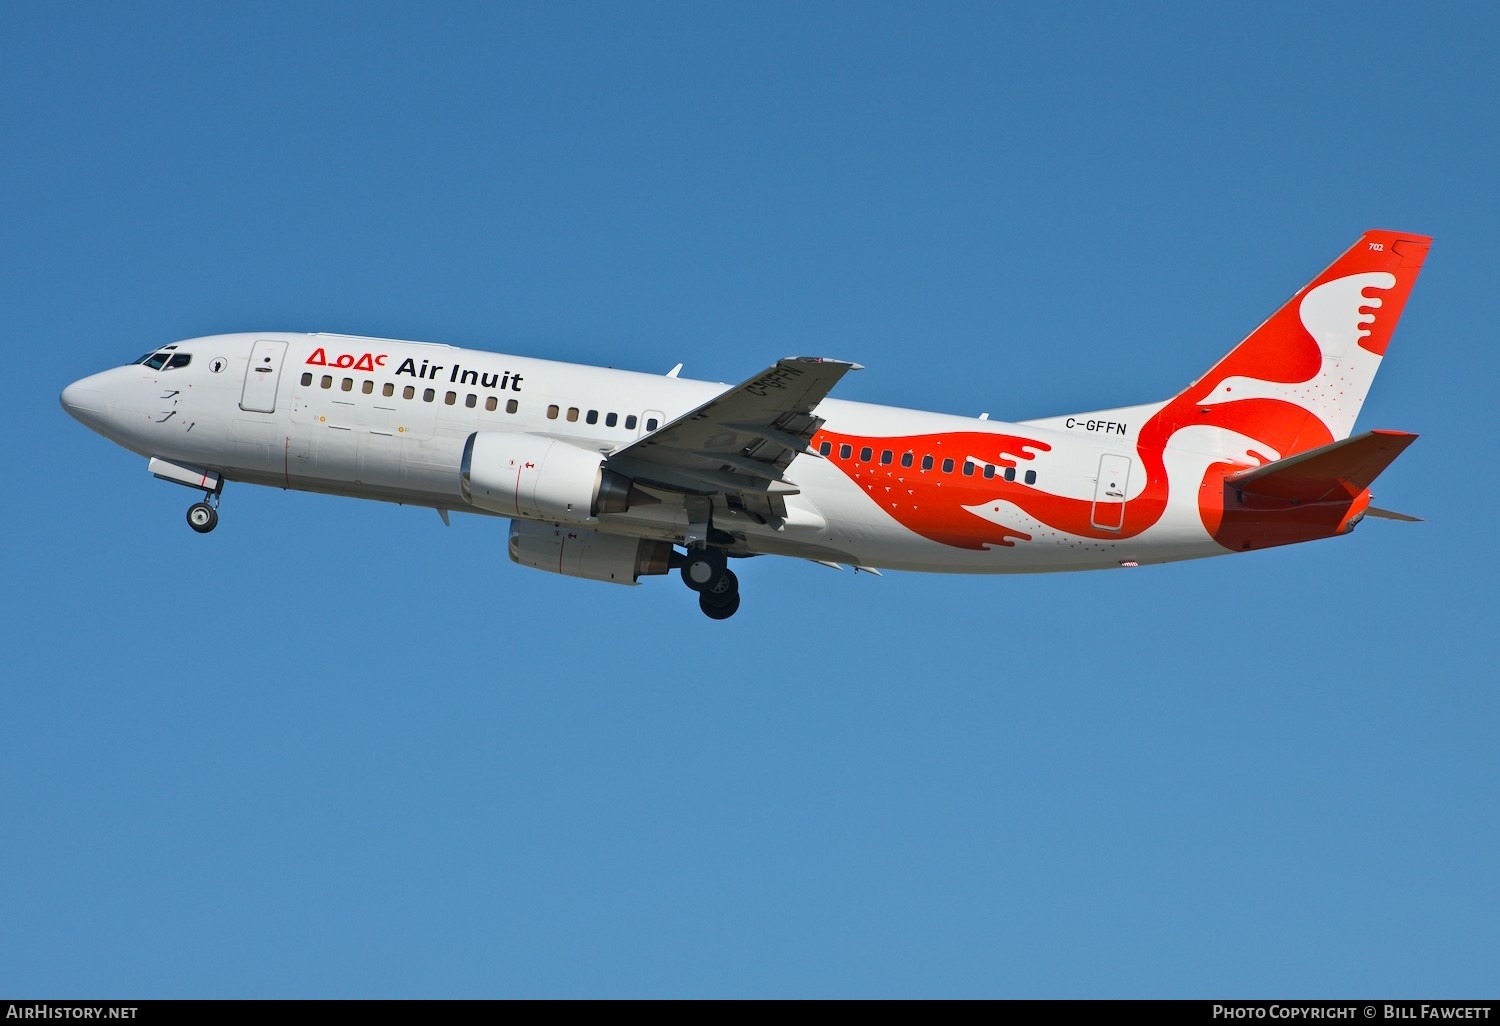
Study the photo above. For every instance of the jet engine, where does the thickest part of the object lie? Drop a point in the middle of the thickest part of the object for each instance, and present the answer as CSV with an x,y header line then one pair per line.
x,y
579,552
537,478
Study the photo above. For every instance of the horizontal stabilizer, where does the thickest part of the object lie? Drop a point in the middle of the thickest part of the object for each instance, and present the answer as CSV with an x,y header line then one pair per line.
x,y
1339,470
1390,514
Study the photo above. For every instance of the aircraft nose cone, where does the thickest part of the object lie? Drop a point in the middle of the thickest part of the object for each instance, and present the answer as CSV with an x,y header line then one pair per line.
x,y
83,402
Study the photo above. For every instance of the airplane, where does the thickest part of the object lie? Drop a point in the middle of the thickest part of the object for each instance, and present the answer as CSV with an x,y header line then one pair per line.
x,y
614,475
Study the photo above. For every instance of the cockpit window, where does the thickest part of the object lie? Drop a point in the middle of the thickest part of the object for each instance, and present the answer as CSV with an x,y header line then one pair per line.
x,y
164,358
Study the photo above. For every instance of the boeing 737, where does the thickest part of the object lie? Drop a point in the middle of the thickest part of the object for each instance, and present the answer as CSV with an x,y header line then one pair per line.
x,y
615,475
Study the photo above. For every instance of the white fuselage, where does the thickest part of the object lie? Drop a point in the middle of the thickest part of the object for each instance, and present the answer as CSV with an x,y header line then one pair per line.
x,y
384,419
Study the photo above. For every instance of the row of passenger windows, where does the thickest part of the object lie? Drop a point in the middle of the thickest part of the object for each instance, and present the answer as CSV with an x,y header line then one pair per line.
x,y
367,387
867,455
592,417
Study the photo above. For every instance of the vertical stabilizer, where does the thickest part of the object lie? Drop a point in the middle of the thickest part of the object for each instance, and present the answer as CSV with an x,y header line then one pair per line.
x,y
1298,381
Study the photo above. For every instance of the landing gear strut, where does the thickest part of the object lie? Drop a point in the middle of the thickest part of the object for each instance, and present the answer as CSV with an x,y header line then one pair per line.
x,y
204,516
704,571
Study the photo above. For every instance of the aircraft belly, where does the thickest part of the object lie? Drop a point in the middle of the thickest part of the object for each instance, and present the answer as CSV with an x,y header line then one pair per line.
x,y
353,490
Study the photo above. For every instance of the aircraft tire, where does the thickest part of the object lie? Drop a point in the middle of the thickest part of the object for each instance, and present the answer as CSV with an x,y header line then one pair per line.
x,y
719,609
202,517
702,569
723,586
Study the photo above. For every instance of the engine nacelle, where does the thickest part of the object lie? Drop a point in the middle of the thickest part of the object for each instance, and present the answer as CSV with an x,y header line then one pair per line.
x,y
536,478
579,552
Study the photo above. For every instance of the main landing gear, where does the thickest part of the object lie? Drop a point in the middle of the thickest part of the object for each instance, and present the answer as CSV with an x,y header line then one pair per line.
x,y
704,570
204,516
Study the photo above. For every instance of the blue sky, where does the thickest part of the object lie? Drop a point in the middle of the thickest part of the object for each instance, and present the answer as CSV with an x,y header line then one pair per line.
x,y
335,749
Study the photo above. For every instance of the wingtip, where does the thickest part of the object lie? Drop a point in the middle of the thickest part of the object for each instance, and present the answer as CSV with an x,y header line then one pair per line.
x,y
846,364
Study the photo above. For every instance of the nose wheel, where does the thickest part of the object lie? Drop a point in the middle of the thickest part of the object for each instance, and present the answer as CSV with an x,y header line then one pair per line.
x,y
204,516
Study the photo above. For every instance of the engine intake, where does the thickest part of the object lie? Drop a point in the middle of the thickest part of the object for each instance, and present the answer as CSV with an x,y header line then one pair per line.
x,y
537,478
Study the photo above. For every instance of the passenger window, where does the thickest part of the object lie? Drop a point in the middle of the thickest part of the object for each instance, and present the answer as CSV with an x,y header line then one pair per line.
x,y
865,453
306,379
592,418
552,412
408,392
989,470
926,462
651,423
947,466
968,469
630,422
906,459
825,448
1010,473
610,420
512,405
347,385
490,403
471,400
327,381
845,451
886,456
572,415
1031,477
368,387
450,398
387,389
428,395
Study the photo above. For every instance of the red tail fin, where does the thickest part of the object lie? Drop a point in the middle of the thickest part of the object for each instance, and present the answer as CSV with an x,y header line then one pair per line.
x,y
1298,381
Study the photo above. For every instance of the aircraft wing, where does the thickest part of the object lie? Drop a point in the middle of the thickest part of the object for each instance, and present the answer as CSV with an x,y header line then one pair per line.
x,y
740,442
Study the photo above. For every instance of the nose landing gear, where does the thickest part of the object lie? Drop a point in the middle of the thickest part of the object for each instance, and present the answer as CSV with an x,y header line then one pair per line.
x,y
204,516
